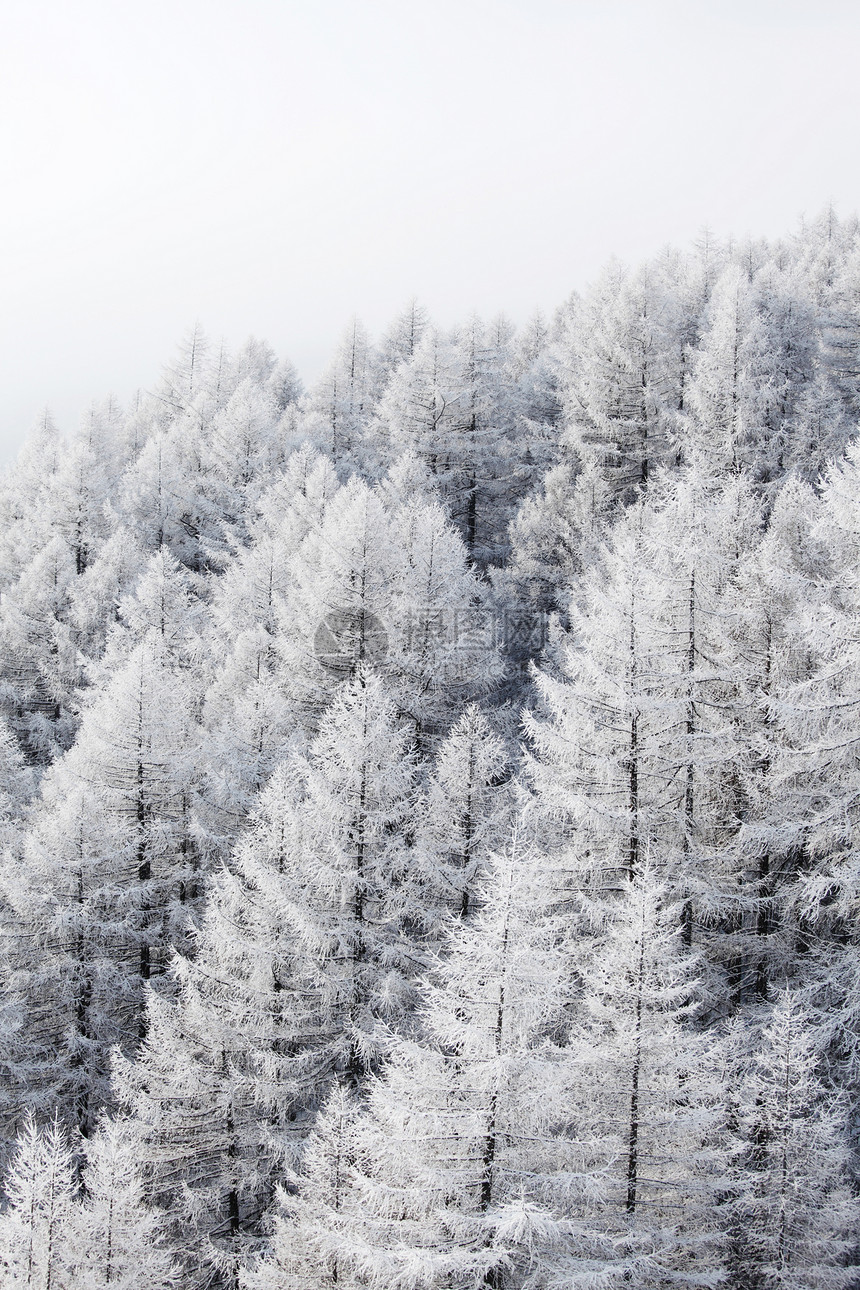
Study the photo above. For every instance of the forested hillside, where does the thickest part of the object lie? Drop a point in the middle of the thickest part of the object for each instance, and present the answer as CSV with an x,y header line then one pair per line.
x,y
430,800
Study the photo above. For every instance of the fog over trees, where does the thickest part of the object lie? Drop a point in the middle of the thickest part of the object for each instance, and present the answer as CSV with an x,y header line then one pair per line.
x,y
429,803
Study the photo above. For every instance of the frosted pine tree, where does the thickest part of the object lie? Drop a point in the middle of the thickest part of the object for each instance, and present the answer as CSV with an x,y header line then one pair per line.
x,y
41,666
816,777
258,574
249,715
98,592
441,1178
24,499
306,957
338,409
250,727
598,735
37,1229
794,1213
108,880
442,647
166,601
317,1202
191,1124
17,787
332,619
616,379
245,452
754,373
400,341
555,535
635,741
766,655
151,501
699,532
456,1173
451,403
358,912
120,1241
646,1104
467,809
63,981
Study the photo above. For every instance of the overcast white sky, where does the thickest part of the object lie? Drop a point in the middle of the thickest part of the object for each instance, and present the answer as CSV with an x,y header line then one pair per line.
x,y
276,166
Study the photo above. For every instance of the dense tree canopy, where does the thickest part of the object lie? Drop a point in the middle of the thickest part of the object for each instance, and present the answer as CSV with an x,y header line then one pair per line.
x,y
429,802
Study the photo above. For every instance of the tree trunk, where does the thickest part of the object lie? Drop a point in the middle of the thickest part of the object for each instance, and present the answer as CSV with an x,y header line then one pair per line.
x,y
633,1132
689,796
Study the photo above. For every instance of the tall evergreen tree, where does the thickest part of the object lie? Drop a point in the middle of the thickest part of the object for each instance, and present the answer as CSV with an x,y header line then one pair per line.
x,y
108,880
794,1217
120,1239
307,954
455,1173
36,1230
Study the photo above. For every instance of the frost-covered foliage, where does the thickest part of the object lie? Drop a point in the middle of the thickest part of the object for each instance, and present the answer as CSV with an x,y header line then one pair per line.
x,y
429,803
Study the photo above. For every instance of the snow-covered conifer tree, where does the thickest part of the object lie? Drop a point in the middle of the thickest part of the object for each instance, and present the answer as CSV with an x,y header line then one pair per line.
x,y
467,810
317,1203
815,773
120,1240
37,1247
598,755
461,1170
338,409
452,405
400,341
616,379
443,646
25,497
793,1213
646,1103
108,880
555,535
41,667
331,620
307,955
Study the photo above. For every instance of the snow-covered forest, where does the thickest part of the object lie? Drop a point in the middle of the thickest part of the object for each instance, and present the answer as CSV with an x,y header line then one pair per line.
x,y
429,803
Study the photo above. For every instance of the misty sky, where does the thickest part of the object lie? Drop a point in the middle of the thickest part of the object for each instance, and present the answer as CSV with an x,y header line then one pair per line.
x,y
276,166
